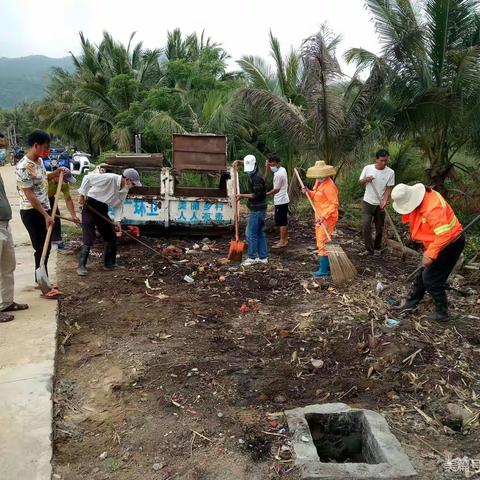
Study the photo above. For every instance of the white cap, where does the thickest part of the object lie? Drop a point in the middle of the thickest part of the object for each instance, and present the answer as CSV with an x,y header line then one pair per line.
x,y
249,163
132,175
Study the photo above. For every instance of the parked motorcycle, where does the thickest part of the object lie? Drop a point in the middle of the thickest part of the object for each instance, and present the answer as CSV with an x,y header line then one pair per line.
x,y
16,154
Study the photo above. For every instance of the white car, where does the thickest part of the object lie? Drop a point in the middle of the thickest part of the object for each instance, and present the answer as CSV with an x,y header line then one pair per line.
x,y
80,163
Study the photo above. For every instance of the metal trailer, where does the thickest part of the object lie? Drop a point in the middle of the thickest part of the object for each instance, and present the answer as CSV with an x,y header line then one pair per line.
x,y
169,204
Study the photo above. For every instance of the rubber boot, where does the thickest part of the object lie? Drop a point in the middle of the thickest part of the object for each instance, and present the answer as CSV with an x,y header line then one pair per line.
x,y
411,303
441,309
323,267
82,263
110,256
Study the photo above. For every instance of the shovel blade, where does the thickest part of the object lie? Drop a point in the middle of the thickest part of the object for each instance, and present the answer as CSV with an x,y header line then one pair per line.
x,y
42,279
235,252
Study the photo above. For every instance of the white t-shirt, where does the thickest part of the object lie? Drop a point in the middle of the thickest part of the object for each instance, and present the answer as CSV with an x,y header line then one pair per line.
x,y
382,179
280,183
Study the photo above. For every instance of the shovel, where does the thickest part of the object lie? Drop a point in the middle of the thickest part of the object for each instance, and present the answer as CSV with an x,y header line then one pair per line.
x,y
237,247
41,272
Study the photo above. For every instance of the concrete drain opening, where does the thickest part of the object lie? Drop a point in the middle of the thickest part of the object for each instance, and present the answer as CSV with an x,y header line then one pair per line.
x,y
333,441
339,437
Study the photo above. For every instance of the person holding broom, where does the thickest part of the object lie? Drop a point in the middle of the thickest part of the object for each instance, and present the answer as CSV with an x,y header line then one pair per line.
x,y
433,222
325,199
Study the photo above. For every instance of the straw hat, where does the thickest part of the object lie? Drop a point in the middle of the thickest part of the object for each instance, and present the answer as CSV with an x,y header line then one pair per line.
x,y
321,170
407,198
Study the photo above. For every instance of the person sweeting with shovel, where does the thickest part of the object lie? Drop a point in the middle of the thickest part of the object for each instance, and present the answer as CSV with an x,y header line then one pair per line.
x,y
433,222
324,196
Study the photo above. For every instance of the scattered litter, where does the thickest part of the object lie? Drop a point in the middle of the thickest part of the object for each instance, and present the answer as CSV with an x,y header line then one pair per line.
x,y
305,439
392,323
220,414
172,250
316,363
147,284
379,288
103,456
188,279
244,308
158,466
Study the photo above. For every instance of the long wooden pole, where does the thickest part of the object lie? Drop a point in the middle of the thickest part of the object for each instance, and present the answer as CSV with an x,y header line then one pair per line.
x,y
312,204
390,221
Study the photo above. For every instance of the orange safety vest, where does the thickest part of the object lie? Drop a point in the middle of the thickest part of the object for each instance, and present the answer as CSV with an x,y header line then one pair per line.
x,y
325,199
433,223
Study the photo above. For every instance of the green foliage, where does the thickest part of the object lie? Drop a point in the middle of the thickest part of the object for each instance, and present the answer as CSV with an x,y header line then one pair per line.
x,y
431,63
20,121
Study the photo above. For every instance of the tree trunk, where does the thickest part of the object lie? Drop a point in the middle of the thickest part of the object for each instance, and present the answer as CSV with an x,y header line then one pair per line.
x,y
440,169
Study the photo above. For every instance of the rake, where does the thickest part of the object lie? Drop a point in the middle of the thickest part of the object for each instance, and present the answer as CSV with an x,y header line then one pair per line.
x,y
392,225
341,268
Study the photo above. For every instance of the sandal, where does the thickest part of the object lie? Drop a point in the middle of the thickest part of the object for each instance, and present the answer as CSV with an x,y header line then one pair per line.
x,y
15,307
53,294
6,317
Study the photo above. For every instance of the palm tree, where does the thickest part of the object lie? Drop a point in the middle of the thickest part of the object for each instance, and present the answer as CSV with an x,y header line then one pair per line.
x,y
307,100
432,64
84,105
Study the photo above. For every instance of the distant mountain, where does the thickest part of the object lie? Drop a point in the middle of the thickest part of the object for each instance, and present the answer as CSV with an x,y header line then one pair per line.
x,y
25,78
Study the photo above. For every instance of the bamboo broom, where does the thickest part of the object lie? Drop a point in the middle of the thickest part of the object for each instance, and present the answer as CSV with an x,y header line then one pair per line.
x,y
341,268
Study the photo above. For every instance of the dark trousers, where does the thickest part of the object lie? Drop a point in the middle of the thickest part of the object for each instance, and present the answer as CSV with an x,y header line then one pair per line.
x,y
372,214
433,278
37,230
92,221
57,226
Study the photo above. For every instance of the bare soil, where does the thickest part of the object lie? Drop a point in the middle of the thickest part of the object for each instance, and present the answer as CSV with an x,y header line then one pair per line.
x,y
158,378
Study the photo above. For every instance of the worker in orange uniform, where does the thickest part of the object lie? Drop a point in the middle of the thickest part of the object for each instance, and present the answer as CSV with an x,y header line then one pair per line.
x,y
432,222
325,198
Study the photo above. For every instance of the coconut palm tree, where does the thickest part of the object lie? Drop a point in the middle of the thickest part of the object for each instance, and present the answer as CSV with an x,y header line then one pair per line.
x,y
307,100
107,79
432,62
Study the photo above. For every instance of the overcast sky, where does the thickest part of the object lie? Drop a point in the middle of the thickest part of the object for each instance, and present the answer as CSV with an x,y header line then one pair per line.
x,y
50,27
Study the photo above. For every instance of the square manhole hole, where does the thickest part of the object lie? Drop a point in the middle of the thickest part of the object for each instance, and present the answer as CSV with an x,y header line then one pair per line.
x,y
333,441
341,437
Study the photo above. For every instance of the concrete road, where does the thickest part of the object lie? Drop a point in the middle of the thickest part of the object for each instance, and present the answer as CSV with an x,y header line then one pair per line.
x,y
27,354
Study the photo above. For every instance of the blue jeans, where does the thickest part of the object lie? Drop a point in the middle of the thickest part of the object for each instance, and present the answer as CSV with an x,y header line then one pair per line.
x,y
257,240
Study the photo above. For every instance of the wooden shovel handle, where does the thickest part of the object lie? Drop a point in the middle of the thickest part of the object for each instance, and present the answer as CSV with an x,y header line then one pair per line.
x,y
52,215
312,204
389,218
235,201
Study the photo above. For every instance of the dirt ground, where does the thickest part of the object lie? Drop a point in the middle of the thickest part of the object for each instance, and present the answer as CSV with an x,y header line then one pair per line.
x,y
158,378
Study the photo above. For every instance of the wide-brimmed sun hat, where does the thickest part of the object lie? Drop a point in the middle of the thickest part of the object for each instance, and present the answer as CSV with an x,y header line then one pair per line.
x,y
407,198
321,170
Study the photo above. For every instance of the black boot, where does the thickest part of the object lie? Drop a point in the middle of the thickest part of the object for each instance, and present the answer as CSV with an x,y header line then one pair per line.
x,y
110,256
82,263
441,310
411,303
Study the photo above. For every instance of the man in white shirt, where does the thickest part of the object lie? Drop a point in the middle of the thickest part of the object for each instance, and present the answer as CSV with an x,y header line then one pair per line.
x,y
98,192
280,198
379,181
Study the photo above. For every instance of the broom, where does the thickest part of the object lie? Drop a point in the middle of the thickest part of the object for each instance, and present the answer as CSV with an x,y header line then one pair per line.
x,y
235,252
341,268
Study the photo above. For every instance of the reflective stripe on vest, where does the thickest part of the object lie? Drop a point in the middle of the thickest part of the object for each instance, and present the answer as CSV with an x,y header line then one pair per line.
x,y
448,226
